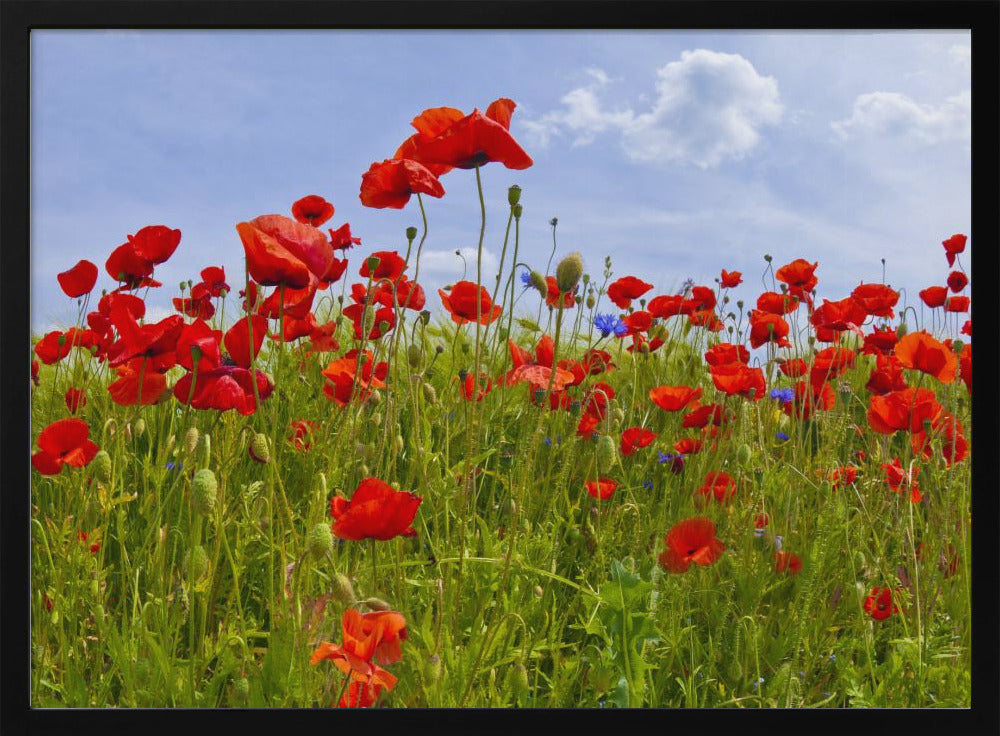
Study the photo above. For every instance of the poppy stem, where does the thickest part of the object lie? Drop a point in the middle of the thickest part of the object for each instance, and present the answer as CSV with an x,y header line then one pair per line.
x,y
423,237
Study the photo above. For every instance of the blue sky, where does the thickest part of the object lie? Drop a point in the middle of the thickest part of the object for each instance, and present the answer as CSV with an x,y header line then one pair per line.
x,y
677,153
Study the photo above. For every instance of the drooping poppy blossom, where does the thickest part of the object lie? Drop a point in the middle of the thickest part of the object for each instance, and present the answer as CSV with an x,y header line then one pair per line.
x,y
920,351
463,305
474,140
78,280
953,246
63,442
280,250
691,540
374,511
725,352
674,398
774,302
765,328
624,290
312,210
800,277
392,183
899,479
601,489
730,280
876,299
787,562
957,281
76,399
879,604
635,438
934,296
718,484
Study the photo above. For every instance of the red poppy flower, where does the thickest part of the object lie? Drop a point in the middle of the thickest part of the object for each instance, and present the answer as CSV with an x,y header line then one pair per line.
x,y
954,447
478,389
362,639
625,289
834,317
375,511
389,265
731,280
404,293
552,294
887,375
341,238
953,246
831,363
312,210
934,296
125,391
957,281
709,413
773,302
463,305
702,299
301,436
64,442
392,183
595,362
382,320
389,627
601,489
224,388
879,604
810,396
214,280
76,399
337,268
294,328
474,140
344,383
902,410
237,339
280,250
765,328
634,438
637,322
880,342
725,352
965,366
787,562
793,367
195,308
34,372
595,400
665,306
688,446
800,277
154,340
920,351
876,299
691,540
842,476
738,379
53,347
719,484
674,398
898,479
706,318
128,267
957,304
155,243
297,302
78,280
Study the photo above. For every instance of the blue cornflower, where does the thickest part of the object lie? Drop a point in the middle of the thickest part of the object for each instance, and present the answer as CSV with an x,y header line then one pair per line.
x,y
526,278
648,485
777,542
784,395
608,323
758,683
781,436
548,441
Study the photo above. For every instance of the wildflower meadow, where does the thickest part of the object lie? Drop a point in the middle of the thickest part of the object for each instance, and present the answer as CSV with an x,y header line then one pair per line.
x,y
551,484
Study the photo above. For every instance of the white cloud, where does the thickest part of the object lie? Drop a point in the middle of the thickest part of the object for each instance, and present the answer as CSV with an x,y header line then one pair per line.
x,y
961,54
891,114
444,265
708,107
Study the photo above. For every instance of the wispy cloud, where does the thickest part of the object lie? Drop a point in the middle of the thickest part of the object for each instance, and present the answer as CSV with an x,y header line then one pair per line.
x,y
709,108
891,114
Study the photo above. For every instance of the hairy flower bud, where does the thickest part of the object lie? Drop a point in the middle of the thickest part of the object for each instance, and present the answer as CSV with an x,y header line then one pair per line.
x,y
196,564
430,394
414,356
568,272
102,466
538,281
319,542
342,590
203,491
191,440
607,453
258,448
138,427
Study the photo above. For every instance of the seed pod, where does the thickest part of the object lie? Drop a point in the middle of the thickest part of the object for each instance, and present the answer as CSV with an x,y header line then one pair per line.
x,y
414,356
430,394
411,233
342,590
203,491
568,272
191,440
102,466
319,543
258,448
514,195
365,471
591,301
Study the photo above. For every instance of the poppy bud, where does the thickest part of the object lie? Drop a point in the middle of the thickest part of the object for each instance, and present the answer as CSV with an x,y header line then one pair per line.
x,y
901,330
607,453
411,233
241,689
203,491
414,356
375,399
538,281
383,326
399,444
743,454
365,471
138,427
568,272
258,449
377,604
514,195
191,440
644,348
102,466
859,559
319,543
342,590
957,346
767,258
591,302
321,490
539,591
517,680
434,669
517,210
196,563
619,415
430,394
465,348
